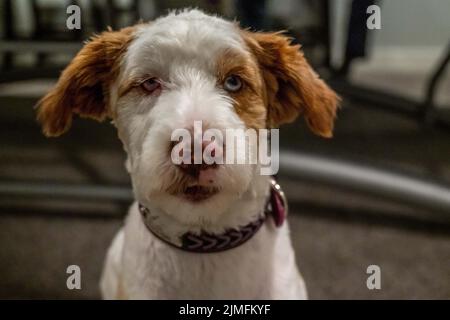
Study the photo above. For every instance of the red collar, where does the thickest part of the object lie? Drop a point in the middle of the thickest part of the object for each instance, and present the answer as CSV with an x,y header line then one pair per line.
x,y
276,206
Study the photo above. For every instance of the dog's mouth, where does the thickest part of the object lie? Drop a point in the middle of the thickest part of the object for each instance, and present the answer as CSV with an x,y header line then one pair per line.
x,y
199,193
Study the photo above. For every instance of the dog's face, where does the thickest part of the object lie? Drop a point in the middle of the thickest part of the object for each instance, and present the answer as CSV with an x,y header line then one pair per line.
x,y
152,79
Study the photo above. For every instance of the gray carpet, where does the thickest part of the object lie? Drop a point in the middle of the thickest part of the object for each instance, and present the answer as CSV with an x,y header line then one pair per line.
x,y
332,255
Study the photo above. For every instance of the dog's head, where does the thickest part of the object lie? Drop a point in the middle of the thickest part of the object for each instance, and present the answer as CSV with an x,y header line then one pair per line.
x,y
154,78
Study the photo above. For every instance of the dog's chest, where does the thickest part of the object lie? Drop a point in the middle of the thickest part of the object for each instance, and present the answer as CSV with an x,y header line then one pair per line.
x,y
258,269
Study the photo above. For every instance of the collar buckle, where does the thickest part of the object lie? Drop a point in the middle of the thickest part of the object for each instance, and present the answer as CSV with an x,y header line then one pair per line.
x,y
278,203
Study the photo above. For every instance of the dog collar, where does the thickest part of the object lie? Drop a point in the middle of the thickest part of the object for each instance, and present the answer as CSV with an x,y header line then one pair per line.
x,y
205,242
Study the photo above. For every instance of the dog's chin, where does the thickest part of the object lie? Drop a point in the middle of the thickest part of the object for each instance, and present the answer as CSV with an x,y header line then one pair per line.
x,y
196,205
197,194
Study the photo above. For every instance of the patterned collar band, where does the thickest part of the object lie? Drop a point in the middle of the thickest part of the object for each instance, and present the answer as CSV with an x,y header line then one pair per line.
x,y
276,206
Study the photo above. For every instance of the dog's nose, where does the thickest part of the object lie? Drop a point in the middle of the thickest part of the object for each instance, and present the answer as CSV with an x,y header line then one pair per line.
x,y
206,157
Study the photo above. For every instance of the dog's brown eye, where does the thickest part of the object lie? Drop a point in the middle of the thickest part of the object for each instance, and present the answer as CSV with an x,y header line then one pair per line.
x,y
151,85
232,83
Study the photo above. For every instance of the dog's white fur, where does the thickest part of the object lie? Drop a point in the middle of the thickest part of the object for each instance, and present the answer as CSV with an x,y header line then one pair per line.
x,y
182,50
183,47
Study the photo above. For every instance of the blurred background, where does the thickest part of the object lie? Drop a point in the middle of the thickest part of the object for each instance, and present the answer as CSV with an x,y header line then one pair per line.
x,y
378,193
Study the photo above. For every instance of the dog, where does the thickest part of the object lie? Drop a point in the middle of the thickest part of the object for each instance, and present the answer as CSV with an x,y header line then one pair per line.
x,y
195,231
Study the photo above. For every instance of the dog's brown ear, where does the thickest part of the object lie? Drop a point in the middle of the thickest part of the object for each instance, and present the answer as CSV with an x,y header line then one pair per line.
x,y
292,86
83,86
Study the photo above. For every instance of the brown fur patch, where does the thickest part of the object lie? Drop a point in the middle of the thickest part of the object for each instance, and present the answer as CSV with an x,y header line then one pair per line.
x,y
249,102
83,86
126,86
292,86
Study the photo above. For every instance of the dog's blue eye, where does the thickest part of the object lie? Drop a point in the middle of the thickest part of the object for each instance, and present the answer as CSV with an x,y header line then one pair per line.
x,y
232,83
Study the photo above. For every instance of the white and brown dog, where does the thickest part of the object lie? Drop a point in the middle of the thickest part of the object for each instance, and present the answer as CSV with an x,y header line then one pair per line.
x,y
194,232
